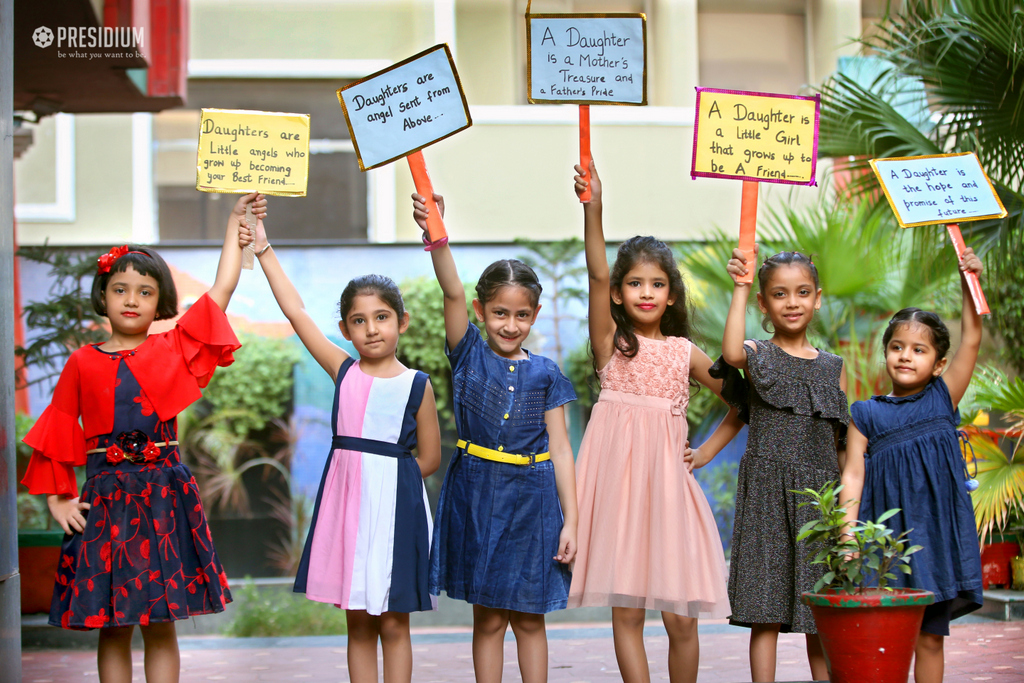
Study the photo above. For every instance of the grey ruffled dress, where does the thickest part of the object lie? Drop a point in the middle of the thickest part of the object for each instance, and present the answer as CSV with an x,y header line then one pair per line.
x,y
798,416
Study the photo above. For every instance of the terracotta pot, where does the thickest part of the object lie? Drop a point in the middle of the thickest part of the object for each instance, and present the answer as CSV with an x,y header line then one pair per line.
x,y
869,636
995,563
38,554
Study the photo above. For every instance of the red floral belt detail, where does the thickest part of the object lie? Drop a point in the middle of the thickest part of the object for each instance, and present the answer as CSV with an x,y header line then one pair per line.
x,y
134,446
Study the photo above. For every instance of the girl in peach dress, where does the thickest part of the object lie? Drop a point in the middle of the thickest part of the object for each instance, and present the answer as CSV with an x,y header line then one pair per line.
x,y
647,537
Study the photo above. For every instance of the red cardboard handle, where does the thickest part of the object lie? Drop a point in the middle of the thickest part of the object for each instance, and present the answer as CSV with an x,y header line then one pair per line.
x,y
435,225
585,149
973,283
748,227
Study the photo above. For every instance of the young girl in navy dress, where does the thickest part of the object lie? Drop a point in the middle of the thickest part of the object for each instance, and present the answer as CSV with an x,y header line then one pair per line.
x,y
138,549
794,399
368,546
647,536
903,452
506,517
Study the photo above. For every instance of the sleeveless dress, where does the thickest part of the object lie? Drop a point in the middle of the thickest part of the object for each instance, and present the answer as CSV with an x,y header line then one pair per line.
x,y
914,463
498,524
369,540
647,537
796,412
146,554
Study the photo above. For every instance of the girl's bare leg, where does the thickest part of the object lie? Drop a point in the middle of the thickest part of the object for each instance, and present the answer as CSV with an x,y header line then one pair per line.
x,y
628,635
397,646
489,626
764,641
114,654
683,647
816,658
929,664
532,645
162,661
363,632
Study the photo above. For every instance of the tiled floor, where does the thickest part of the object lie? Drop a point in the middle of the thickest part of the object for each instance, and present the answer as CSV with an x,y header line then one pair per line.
x,y
984,651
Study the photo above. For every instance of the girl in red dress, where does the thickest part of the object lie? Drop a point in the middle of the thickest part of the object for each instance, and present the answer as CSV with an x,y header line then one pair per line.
x,y
137,550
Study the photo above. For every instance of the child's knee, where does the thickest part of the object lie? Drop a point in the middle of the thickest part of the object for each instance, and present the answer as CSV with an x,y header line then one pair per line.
x,y
526,624
679,627
489,621
929,643
628,617
117,634
394,627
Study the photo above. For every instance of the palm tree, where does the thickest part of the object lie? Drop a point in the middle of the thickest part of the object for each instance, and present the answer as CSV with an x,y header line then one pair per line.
x,y
951,80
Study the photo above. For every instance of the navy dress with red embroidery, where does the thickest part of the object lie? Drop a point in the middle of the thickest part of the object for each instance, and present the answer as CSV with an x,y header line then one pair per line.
x,y
146,554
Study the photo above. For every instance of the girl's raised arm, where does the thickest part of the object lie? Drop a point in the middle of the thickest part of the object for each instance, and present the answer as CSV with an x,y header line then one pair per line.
x,y
456,317
235,239
328,354
602,326
958,376
736,322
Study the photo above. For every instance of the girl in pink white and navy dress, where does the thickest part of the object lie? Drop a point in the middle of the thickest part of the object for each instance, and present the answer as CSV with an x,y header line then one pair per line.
x,y
138,549
368,545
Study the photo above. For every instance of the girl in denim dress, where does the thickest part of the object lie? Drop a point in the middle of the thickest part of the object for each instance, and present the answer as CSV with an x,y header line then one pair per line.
x,y
505,526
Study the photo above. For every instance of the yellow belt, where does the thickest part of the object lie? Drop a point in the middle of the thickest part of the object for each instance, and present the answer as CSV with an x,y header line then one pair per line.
x,y
501,456
158,444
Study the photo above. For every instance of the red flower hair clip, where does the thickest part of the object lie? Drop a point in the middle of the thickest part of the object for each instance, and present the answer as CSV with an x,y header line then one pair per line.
x,y
107,260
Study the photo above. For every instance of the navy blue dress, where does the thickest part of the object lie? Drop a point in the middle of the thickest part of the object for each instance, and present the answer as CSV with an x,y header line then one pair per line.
x,y
914,463
497,525
146,554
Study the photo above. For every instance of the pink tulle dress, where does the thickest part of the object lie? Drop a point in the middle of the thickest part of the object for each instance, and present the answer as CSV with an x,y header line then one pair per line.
x,y
647,537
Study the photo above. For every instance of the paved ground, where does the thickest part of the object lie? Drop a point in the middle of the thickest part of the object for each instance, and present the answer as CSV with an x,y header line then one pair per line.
x,y
980,651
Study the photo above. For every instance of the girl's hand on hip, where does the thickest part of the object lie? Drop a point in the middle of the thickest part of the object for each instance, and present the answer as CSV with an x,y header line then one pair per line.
x,y
566,545
67,512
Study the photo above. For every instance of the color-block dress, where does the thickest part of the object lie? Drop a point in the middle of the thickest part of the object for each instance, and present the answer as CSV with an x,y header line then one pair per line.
x,y
914,463
497,523
146,554
647,536
797,412
368,545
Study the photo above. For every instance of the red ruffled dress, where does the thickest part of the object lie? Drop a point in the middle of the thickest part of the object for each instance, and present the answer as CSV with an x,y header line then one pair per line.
x,y
146,554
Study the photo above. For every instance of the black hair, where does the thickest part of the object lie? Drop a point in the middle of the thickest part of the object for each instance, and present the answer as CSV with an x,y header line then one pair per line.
x,y
676,320
910,316
380,285
783,258
143,261
508,273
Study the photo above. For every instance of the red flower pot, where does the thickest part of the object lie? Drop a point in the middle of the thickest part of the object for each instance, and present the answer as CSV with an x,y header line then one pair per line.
x,y
995,563
869,636
38,554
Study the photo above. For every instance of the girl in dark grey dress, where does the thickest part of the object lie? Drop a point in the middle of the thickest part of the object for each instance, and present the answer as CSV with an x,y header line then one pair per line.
x,y
794,399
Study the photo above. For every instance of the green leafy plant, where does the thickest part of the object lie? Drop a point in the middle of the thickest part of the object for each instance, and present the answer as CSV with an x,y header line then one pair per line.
x,y
274,614
854,556
65,320
557,265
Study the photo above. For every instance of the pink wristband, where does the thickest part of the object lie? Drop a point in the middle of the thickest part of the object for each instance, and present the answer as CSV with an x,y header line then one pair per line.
x,y
431,246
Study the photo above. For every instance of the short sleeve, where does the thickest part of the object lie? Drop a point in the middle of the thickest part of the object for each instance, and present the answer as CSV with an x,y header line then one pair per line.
x,y
860,415
460,353
57,439
205,339
560,390
735,388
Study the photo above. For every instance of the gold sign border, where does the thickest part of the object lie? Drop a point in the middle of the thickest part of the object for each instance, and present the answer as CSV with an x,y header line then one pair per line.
x,y
579,15
274,193
896,213
418,55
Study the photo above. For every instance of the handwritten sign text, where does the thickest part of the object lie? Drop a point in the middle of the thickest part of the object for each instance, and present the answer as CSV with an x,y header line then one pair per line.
x,y
253,151
587,59
946,188
405,107
755,136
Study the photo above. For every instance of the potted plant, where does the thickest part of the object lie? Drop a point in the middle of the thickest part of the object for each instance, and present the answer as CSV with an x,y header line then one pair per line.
x,y
868,630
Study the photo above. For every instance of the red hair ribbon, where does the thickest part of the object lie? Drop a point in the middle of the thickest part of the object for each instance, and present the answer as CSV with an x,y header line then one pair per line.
x,y
105,262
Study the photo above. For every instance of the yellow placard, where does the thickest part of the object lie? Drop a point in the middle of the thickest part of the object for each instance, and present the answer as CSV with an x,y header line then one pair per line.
x,y
244,151
763,137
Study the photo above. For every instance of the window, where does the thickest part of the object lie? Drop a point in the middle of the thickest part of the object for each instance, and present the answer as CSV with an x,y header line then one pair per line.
x,y
335,206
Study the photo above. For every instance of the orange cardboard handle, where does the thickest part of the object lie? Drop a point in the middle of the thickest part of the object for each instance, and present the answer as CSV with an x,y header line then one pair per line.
x,y
585,149
973,283
748,227
418,166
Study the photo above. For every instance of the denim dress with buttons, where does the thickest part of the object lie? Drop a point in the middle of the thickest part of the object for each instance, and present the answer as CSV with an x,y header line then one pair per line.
x,y
497,524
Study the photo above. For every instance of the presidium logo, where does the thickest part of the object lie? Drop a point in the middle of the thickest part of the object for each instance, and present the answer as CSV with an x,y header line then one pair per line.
x,y
128,39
